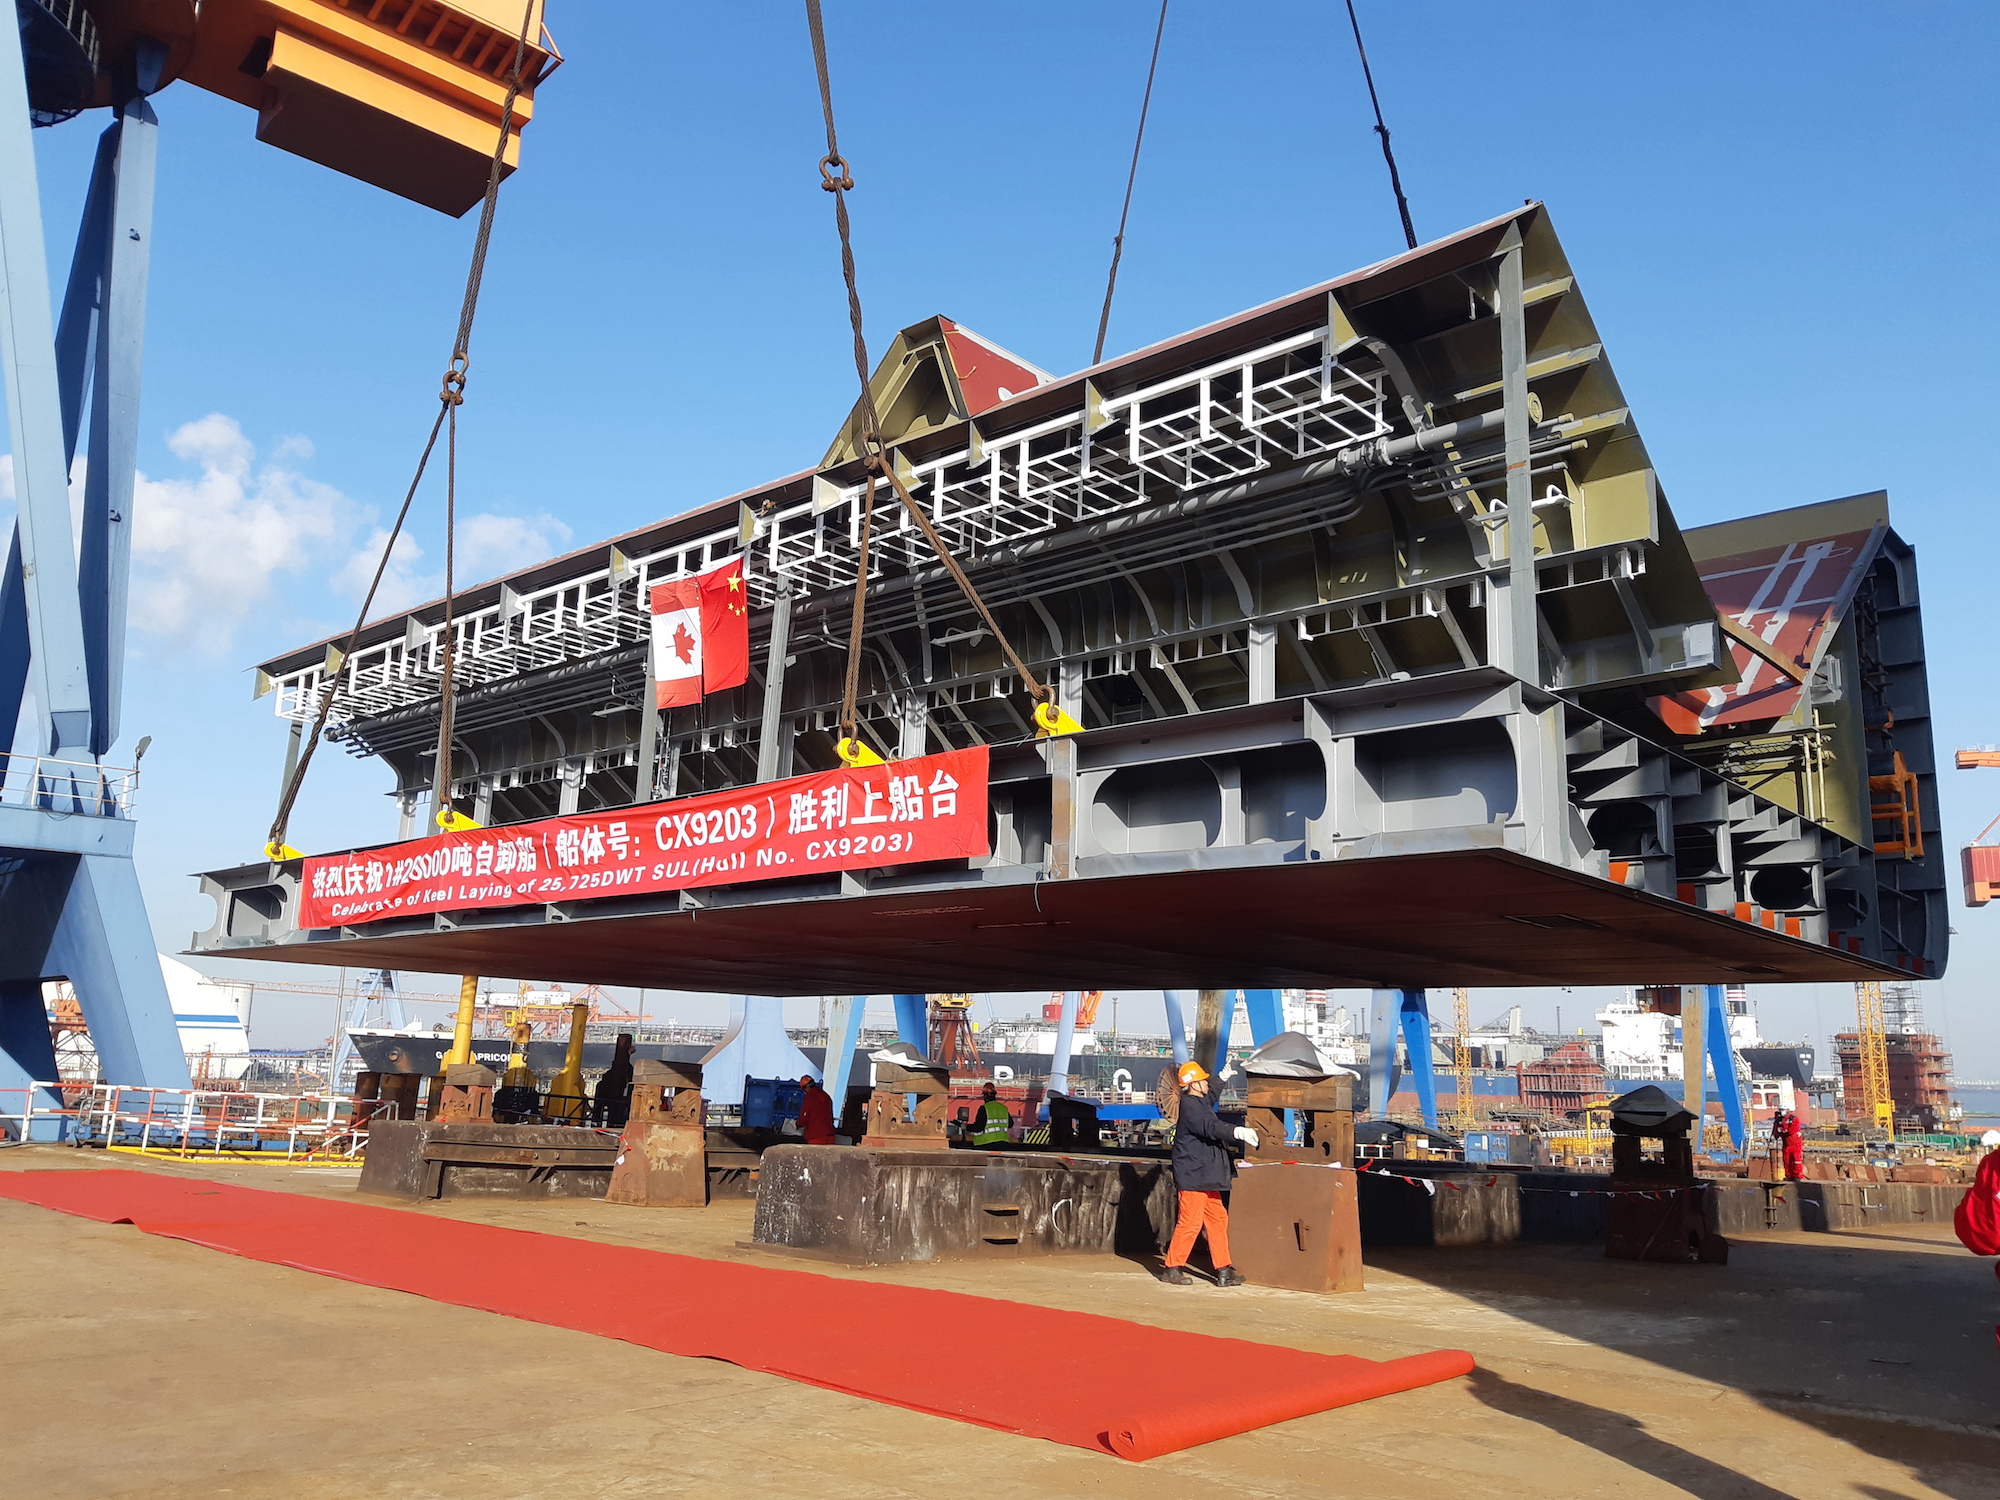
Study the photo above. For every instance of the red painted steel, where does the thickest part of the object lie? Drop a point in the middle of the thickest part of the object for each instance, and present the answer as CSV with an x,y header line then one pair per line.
x,y
932,807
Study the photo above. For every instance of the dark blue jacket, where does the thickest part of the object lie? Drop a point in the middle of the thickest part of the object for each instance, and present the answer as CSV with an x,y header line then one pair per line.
x,y
1201,1164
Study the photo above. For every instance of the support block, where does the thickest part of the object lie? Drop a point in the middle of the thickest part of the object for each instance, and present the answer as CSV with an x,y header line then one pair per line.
x,y
660,1164
889,1128
1677,1228
1297,1226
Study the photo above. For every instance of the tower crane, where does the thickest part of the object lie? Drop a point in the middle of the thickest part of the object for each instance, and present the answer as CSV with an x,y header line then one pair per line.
x,y
1461,1058
1878,1104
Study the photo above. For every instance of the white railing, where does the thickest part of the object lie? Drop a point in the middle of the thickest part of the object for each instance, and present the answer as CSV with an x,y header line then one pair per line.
x,y
67,786
1278,404
190,1122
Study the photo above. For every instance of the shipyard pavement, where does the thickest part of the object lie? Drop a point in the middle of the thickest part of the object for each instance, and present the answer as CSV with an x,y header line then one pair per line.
x,y
1813,1365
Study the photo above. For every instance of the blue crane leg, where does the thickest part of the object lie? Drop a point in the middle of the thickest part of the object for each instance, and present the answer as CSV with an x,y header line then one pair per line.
x,y
104,944
27,1056
1267,1014
755,1046
105,564
14,648
1723,1058
34,412
1065,1043
1176,1002
1385,1011
913,1021
1416,1014
843,1031
83,298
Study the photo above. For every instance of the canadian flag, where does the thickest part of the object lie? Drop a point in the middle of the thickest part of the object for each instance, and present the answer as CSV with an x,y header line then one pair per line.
x,y
701,636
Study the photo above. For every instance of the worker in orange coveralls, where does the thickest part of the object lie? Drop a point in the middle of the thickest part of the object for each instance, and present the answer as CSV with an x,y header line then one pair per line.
x,y
1792,1135
815,1113
1201,1173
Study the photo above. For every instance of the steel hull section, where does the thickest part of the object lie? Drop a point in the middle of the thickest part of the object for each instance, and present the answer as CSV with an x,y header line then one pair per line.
x,y
1484,917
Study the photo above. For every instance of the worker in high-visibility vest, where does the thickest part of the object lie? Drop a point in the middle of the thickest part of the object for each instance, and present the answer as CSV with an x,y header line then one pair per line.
x,y
992,1121
1201,1174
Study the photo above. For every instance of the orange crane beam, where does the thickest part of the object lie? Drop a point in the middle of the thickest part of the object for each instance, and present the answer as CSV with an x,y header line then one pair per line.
x,y
1981,860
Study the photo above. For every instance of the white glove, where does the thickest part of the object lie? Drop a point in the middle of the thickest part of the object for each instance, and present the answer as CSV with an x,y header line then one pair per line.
x,y
1246,1135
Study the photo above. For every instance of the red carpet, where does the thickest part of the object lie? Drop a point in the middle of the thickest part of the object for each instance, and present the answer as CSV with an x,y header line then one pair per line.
x,y
1076,1378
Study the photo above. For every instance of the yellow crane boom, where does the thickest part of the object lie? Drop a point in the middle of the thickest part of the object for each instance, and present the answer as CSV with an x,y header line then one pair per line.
x,y
1879,1105
1461,1059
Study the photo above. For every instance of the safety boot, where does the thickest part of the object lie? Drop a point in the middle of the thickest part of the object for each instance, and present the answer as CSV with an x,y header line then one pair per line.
x,y
1230,1276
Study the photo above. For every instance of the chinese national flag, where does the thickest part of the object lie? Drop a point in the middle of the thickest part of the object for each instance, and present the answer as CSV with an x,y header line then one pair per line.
x,y
725,628
701,636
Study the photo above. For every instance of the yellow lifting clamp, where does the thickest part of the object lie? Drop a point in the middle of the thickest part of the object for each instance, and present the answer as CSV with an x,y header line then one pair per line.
x,y
1050,720
278,853
854,754
453,821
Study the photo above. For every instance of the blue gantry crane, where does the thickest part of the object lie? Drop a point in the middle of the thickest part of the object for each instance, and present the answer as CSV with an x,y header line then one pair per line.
x,y
70,902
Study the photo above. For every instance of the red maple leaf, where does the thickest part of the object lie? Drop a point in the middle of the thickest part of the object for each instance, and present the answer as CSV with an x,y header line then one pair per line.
x,y
683,643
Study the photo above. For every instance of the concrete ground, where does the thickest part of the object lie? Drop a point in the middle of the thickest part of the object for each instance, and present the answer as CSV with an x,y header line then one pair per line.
x,y
1811,1366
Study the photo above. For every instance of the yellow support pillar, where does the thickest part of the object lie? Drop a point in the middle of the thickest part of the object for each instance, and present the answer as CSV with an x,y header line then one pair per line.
x,y
566,1104
461,1031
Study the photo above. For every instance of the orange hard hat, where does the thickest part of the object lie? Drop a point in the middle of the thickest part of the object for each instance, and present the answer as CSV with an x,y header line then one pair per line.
x,y
1190,1072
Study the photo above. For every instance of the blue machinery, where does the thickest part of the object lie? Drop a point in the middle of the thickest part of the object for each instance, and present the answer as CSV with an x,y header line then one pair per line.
x,y
1406,1013
70,904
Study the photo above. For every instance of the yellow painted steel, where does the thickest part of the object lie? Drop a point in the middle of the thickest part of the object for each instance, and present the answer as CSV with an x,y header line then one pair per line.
x,y
1051,721
461,1029
1878,1103
566,1104
854,754
1461,1059
518,1075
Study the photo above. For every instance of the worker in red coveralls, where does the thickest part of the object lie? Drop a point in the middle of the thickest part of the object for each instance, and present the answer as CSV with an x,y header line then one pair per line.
x,y
1792,1136
1201,1173
1978,1218
815,1113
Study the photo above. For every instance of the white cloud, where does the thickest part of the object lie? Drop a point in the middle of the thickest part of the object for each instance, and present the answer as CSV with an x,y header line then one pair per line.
x,y
488,545
206,550
402,584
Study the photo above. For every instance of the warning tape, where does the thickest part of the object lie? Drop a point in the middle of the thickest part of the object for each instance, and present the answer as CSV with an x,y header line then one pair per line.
x,y
1430,1185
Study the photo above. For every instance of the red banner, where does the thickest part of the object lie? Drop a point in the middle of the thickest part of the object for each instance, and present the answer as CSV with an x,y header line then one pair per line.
x,y
908,811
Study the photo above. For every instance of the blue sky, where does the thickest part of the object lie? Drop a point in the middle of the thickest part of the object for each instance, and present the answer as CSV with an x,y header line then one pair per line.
x,y
1784,218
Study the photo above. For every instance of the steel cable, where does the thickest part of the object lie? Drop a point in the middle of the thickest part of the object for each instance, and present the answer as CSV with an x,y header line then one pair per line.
x,y
451,395
1118,240
837,178
1381,129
